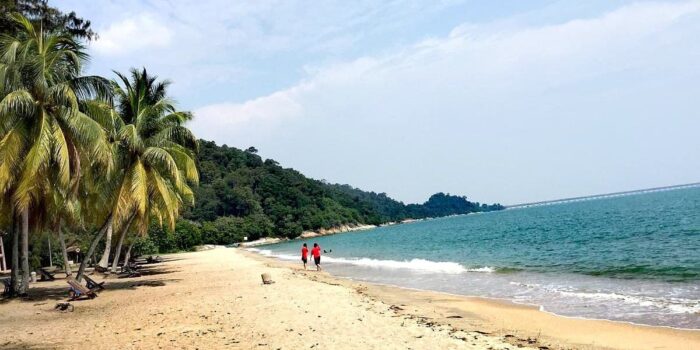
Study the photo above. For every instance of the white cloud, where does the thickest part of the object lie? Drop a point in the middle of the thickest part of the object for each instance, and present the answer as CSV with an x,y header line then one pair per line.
x,y
554,101
219,120
132,34
470,58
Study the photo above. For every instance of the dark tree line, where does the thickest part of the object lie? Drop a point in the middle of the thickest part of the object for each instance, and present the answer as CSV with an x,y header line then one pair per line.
x,y
242,195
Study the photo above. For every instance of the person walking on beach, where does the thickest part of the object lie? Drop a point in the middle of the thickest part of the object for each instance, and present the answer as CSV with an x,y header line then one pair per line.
x,y
304,254
316,252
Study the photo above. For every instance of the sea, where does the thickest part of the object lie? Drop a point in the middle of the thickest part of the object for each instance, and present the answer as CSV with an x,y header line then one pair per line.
x,y
633,258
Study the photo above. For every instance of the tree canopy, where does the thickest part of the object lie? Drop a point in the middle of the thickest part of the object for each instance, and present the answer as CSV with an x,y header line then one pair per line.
x,y
49,18
242,195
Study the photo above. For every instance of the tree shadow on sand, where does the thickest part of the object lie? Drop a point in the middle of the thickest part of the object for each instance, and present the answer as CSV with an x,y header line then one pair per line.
x,y
58,289
153,271
60,293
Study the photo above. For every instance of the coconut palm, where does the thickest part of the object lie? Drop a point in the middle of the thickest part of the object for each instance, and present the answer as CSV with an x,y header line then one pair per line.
x,y
156,140
155,156
43,130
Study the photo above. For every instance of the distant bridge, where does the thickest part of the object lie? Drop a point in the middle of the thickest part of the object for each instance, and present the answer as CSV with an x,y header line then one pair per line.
x,y
601,196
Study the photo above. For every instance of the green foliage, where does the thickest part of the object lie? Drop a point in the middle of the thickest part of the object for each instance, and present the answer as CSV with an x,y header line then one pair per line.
x,y
49,18
241,195
145,245
187,234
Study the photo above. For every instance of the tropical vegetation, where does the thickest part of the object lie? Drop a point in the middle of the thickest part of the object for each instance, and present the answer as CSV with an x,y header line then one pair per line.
x,y
82,153
108,167
243,195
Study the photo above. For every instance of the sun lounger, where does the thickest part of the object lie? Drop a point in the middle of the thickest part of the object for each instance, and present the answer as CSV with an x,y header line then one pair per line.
x,y
92,284
78,291
45,275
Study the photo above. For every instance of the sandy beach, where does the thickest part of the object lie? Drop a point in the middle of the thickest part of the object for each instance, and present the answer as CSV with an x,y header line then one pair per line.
x,y
215,299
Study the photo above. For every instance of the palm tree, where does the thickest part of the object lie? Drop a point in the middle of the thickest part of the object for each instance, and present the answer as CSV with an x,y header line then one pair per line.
x,y
154,155
159,150
43,131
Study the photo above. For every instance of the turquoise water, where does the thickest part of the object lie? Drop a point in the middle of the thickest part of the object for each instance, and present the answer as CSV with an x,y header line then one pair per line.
x,y
634,258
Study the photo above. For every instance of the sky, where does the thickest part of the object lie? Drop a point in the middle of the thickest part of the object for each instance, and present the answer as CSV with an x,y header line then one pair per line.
x,y
502,101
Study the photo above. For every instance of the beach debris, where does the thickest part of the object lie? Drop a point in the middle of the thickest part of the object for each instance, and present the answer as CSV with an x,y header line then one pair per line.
x,y
396,308
64,307
454,316
266,278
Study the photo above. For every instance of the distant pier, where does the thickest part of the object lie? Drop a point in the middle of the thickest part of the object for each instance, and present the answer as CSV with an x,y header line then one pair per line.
x,y
601,196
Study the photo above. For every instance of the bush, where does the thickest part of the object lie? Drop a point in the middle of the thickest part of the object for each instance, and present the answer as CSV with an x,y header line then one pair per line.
x,y
187,234
144,246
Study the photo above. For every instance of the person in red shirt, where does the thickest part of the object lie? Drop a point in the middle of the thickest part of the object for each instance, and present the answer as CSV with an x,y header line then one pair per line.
x,y
304,254
316,252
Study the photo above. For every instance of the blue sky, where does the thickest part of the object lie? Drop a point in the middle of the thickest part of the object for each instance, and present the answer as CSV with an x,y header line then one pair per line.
x,y
502,101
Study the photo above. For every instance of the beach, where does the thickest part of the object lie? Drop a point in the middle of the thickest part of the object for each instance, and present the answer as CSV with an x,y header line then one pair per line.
x,y
215,299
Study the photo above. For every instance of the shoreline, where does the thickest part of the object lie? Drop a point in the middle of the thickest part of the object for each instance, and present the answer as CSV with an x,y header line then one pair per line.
x,y
345,228
214,299
539,308
364,278
646,336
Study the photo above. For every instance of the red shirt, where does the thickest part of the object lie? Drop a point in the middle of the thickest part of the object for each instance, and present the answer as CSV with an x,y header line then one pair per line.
x,y
316,252
304,252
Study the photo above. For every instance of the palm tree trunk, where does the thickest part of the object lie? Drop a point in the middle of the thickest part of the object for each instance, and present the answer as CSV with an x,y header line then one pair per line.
x,y
24,252
64,252
14,277
104,262
93,245
118,250
128,253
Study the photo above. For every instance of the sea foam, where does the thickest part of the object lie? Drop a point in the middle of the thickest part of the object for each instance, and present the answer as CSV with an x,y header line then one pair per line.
x,y
422,265
670,304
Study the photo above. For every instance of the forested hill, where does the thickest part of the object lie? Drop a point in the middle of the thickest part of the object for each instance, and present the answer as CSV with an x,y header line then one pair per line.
x,y
240,194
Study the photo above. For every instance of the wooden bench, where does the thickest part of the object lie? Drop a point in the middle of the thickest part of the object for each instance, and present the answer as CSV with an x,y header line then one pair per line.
x,y
45,275
78,291
93,285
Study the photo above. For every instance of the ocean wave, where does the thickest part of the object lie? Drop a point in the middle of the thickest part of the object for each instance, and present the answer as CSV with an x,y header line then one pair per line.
x,y
672,305
413,264
265,252
447,267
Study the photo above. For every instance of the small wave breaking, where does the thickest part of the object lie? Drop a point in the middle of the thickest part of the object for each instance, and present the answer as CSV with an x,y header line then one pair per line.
x,y
670,304
422,265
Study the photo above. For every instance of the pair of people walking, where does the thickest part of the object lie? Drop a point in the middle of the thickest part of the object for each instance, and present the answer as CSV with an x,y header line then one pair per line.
x,y
315,252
